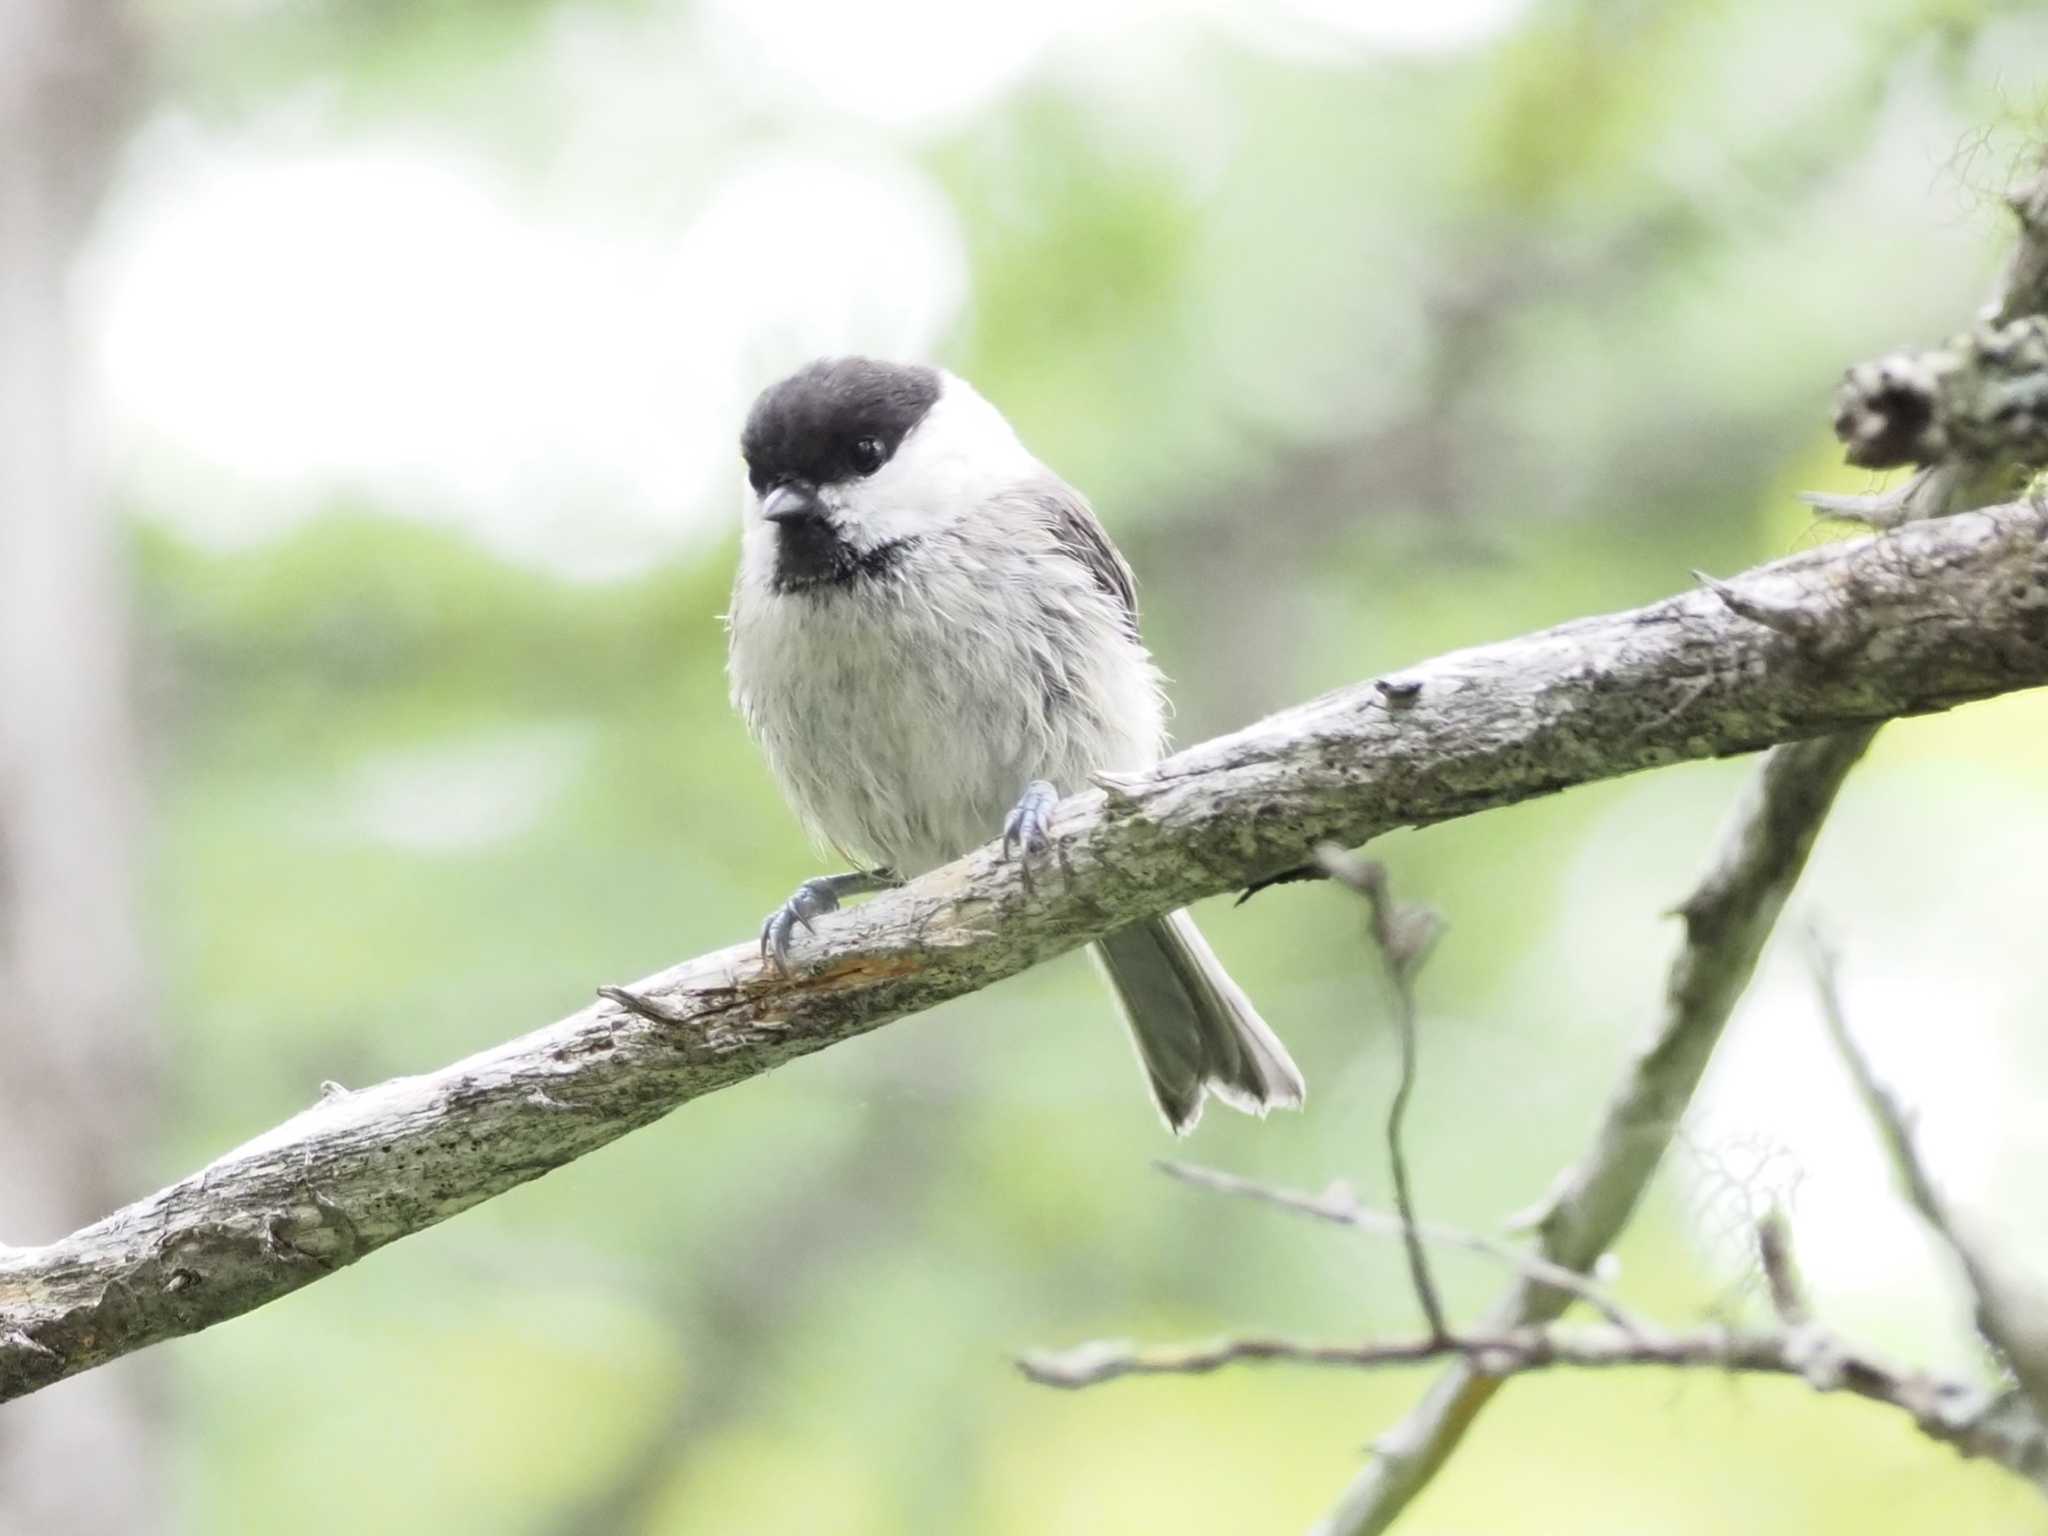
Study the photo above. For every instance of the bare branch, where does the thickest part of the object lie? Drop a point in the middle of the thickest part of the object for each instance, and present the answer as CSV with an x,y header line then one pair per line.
x,y
1885,509
1404,936
1728,917
2009,1313
1781,1275
1956,1413
1894,1128
1923,618
1727,921
1339,1205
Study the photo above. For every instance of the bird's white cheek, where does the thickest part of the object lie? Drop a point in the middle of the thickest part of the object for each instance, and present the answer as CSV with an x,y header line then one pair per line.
x,y
876,512
917,493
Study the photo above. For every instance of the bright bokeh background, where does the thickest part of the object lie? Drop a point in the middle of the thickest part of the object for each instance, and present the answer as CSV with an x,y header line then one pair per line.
x,y
422,337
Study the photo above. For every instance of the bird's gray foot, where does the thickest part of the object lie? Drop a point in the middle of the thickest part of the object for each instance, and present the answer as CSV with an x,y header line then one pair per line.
x,y
814,898
1028,827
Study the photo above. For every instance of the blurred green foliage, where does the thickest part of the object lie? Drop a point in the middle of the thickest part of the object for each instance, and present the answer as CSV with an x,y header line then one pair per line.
x,y
1364,358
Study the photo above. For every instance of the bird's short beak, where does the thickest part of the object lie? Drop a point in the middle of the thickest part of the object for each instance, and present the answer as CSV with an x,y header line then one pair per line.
x,y
793,501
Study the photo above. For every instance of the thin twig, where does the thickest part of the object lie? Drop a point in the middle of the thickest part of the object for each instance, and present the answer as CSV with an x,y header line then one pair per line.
x,y
1404,937
1727,917
2007,1310
1522,1349
1339,1205
1894,1127
1961,1415
1883,509
1397,1160
1781,1275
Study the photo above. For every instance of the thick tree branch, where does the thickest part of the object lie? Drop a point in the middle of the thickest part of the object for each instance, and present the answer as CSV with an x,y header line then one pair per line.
x,y
1917,620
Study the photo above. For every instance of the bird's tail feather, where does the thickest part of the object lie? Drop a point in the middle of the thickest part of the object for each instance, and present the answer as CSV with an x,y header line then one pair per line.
x,y
1194,1028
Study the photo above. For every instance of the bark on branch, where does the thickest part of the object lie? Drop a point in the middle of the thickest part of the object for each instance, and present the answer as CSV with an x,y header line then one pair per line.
x,y
1981,398
1982,402
1925,617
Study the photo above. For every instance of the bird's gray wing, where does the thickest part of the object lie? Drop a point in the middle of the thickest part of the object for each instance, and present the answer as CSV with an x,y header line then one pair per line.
x,y
1080,534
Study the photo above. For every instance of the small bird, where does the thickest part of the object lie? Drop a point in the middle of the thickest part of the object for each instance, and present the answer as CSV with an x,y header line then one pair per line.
x,y
931,638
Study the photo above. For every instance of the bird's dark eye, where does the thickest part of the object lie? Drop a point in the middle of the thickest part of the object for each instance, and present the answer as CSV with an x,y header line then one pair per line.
x,y
868,454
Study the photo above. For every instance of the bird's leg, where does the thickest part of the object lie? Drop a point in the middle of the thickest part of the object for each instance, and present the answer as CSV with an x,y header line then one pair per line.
x,y
814,898
1028,827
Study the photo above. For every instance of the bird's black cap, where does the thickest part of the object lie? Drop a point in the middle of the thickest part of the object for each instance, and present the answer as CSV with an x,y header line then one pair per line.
x,y
811,425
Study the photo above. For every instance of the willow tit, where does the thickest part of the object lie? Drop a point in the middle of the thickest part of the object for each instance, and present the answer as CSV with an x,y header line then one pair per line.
x,y
931,638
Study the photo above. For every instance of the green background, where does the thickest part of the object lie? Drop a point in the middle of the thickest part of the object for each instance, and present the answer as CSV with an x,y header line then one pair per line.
x,y
1363,354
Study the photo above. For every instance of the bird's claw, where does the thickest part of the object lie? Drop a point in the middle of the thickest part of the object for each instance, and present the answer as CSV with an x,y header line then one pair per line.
x,y
814,898
1028,827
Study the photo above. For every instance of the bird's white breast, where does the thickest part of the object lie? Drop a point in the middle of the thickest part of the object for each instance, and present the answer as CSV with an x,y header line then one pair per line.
x,y
904,714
